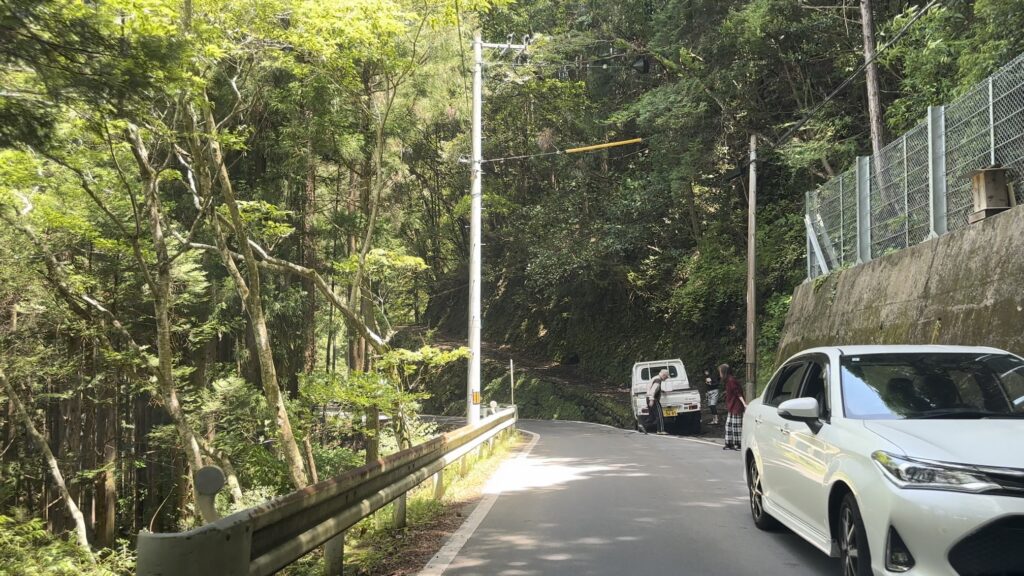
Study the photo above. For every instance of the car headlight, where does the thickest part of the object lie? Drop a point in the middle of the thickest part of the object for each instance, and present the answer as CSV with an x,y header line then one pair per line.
x,y
928,475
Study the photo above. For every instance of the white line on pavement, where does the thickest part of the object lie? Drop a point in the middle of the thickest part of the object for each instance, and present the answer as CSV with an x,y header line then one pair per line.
x,y
687,438
444,557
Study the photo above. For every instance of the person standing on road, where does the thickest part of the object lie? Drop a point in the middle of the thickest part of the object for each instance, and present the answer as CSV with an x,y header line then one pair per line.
x,y
654,400
711,384
735,404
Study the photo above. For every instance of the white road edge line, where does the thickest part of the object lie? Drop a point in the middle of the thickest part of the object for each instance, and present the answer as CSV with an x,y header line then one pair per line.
x,y
446,555
687,438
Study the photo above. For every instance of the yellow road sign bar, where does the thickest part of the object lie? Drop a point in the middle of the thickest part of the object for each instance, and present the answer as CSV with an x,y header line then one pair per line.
x,y
603,146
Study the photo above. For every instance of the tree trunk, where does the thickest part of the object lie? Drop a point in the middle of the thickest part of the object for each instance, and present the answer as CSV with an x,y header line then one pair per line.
x,y
51,463
249,290
106,482
691,209
106,443
874,102
161,288
309,260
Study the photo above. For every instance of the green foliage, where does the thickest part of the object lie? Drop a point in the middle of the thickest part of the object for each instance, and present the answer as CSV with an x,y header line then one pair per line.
x,y
342,123
28,549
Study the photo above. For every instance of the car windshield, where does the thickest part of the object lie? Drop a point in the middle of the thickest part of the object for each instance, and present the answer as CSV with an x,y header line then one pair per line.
x,y
932,385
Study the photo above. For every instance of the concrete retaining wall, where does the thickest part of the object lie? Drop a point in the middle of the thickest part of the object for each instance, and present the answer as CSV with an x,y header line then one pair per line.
x,y
965,288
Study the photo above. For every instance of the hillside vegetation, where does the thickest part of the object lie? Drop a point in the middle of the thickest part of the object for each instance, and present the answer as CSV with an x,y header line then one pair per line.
x,y
216,215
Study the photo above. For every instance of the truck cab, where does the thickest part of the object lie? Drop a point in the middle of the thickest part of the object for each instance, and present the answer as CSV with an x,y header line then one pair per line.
x,y
680,403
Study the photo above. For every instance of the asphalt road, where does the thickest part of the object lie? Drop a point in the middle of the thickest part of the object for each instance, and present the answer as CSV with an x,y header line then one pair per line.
x,y
589,499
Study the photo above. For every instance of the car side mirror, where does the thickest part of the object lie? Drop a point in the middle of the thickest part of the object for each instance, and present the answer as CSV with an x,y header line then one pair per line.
x,y
800,410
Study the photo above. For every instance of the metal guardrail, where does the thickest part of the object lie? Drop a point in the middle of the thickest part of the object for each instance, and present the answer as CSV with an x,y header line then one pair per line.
x,y
263,539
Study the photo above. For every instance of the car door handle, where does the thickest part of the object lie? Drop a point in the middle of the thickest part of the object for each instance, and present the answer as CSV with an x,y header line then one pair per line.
x,y
784,430
758,420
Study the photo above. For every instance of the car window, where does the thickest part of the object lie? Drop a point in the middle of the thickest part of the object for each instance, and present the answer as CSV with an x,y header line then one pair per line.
x,y
787,384
932,385
650,373
816,386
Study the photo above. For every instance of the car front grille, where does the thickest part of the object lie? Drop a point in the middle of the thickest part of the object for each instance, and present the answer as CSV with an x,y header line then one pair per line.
x,y
997,549
1012,481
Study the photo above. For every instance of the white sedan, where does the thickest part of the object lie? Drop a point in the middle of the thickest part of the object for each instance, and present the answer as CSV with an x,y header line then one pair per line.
x,y
897,459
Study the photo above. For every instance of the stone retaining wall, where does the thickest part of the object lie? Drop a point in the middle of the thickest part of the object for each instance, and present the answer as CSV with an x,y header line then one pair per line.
x,y
966,287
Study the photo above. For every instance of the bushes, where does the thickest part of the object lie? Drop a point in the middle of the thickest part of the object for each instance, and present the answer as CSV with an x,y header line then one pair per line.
x,y
536,397
28,549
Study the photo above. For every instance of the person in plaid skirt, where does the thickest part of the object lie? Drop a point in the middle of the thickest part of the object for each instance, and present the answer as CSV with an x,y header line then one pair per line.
x,y
735,405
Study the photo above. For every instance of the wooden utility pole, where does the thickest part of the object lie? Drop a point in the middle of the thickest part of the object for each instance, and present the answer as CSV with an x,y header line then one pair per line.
x,y
874,103
751,372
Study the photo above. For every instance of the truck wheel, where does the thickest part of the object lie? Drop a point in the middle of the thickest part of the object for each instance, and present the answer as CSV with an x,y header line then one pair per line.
x,y
695,424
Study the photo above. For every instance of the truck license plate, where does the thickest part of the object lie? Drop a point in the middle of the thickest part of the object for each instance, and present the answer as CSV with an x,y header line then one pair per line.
x,y
671,411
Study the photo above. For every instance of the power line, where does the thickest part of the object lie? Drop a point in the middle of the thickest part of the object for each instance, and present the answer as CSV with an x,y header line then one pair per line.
x,y
867,62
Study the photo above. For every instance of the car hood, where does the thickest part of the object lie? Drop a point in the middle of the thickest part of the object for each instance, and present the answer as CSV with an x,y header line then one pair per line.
x,y
979,442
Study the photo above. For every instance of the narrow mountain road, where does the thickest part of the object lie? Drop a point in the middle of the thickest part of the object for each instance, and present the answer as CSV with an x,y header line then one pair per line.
x,y
589,499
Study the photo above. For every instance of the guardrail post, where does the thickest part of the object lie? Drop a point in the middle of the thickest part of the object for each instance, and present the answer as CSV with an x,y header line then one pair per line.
x,y
937,169
334,556
439,484
399,514
863,172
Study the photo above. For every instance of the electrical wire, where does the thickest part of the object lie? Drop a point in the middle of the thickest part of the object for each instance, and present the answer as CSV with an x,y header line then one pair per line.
x,y
777,143
521,157
817,108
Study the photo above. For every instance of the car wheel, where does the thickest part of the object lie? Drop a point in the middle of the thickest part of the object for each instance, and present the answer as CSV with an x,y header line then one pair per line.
x,y
695,426
762,519
854,555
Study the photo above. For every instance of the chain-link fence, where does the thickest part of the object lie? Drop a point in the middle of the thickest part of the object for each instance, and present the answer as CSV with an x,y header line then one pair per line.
x,y
968,147
920,184
1008,121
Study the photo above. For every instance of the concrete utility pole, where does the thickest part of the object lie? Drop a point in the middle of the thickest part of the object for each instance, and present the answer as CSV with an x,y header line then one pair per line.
x,y
512,381
475,193
476,209
751,274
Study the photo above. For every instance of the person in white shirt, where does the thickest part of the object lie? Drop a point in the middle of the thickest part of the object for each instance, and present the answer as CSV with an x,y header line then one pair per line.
x,y
654,400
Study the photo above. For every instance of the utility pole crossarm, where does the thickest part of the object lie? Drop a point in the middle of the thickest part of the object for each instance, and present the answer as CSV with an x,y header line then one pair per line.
x,y
603,146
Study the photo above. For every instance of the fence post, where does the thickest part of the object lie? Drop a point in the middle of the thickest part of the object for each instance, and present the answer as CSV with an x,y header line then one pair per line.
x,y
906,196
399,515
991,124
810,273
807,214
937,169
863,172
334,556
842,224
812,236
439,484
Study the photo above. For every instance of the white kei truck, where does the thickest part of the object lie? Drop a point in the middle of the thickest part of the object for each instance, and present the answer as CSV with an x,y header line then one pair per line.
x,y
680,403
